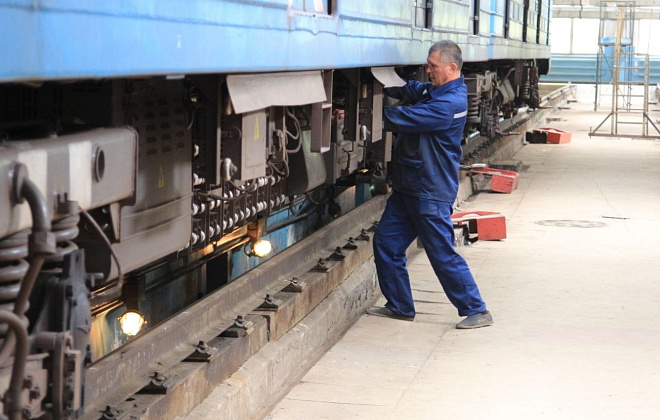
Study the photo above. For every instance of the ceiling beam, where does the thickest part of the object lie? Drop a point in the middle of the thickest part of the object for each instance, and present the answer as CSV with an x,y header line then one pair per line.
x,y
594,13
638,3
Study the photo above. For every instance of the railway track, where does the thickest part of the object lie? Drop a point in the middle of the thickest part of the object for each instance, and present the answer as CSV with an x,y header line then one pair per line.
x,y
151,376
171,368
481,149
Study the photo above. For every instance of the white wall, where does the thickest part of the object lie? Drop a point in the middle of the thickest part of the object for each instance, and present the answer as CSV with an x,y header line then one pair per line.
x,y
647,34
580,36
574,36
560,36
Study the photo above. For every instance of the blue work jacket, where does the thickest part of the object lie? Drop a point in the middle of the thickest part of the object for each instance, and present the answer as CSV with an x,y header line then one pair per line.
x,y
427,151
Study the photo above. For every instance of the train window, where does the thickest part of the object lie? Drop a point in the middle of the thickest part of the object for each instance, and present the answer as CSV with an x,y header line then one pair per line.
x,y
313,6
423,13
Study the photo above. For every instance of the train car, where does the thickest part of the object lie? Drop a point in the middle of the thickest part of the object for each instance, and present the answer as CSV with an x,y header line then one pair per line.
x,y
147,147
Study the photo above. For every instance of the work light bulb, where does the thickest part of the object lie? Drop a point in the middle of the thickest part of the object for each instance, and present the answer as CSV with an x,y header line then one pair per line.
x,y
132,322
261,248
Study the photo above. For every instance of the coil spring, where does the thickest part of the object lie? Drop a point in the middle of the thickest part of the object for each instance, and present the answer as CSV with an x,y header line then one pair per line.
x,y
65,230
525,91
13,267
473,109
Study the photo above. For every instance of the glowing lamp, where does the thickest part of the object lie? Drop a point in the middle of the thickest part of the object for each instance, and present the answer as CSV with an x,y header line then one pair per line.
x,y
132,322
261,248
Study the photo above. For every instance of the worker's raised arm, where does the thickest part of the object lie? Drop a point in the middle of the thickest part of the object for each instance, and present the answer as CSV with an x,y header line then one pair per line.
x,y
420,118
412,92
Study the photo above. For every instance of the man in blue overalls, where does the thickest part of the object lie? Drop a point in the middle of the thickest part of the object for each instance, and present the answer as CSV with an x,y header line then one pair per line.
x,y
426,159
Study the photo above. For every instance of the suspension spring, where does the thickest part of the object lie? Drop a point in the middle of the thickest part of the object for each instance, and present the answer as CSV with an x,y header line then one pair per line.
x,y
65,230
473,109
525,91
13,267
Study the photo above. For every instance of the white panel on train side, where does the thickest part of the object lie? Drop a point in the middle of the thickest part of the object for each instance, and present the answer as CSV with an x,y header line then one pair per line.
x,y
258,91
387,76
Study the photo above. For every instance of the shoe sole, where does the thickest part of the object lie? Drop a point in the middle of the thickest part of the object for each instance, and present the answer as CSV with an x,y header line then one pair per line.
x,y
471,327
400,318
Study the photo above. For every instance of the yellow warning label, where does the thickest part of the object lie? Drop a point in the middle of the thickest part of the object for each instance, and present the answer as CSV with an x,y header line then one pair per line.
x,y
257,133
161,177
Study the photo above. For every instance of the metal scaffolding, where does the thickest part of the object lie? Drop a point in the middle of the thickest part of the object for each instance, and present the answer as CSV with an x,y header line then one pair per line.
x,y
624,71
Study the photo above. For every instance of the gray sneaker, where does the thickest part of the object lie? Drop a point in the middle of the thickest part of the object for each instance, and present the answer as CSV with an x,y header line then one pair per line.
x,y
388,313
479,320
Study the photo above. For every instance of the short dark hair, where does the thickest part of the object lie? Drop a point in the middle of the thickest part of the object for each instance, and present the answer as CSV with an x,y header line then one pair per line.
x,y
450,52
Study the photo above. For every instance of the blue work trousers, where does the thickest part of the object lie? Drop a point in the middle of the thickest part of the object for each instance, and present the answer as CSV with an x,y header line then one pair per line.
x,y
404,219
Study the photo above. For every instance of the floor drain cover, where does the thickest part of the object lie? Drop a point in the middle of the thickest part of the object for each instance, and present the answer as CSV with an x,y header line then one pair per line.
x,y
571,223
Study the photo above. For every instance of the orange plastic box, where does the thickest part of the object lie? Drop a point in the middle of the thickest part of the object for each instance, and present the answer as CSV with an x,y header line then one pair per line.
x,y
497,180
557,136
488,225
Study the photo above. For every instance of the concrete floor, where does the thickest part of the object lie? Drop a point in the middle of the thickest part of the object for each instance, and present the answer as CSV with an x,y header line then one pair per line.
x,y
574,290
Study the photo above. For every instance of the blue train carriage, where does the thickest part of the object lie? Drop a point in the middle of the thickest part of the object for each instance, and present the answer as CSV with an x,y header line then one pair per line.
x,y
518,53
74,40
144,143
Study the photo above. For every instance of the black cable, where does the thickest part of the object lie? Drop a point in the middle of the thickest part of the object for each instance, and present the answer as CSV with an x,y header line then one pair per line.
x,y
115,291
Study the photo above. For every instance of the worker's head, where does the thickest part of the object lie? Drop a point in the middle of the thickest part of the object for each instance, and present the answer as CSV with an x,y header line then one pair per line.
x,y
444,62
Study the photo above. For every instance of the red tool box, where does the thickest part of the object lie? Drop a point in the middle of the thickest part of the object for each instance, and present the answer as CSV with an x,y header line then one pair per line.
x,y
487,225
557,136
497,180
549,135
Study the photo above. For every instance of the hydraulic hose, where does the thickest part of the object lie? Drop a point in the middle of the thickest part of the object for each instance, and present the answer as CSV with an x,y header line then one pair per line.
x,y
39,241
13,395
41,244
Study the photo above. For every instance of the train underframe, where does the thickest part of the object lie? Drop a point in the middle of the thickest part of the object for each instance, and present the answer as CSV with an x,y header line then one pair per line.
x,y
147,194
